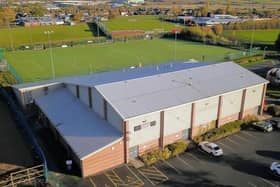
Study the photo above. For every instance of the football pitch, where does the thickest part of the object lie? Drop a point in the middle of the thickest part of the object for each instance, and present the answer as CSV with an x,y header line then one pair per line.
x,y
146,23
19,36
36,65
259,36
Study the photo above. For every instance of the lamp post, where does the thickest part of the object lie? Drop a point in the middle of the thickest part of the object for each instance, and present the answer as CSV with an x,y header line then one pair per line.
x,y
175,31
264,51
51,52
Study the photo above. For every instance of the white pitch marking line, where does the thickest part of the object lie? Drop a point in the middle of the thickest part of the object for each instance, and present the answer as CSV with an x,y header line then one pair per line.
x,y
268,182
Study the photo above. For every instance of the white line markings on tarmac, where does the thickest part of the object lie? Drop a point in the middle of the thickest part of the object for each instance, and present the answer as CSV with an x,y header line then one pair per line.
x,y
248,134
226,146
173,167
268,182
252,184
232,141
185,162
242,138
91,181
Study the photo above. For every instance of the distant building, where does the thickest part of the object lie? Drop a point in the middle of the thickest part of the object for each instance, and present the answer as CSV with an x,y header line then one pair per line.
x,y
106,119
130,2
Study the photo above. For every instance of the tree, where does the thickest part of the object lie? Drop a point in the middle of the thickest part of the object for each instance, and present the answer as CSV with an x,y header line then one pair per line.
x,y
7,15
218,29
277,43
205,9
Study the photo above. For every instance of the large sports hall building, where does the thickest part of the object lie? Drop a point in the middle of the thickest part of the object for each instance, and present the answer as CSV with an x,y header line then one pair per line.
x,y
107,119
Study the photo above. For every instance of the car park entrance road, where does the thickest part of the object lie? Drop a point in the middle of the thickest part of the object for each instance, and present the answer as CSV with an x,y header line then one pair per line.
x,y
246,161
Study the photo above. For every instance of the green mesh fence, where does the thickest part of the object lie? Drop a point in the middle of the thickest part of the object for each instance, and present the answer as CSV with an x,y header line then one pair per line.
x,y
12,70
2,51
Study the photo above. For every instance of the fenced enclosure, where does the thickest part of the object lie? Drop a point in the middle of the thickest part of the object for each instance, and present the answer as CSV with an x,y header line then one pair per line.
x,y
24,176
40,170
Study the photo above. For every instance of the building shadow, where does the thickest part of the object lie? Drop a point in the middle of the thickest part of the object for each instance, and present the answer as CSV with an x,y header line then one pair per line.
x,y
270,154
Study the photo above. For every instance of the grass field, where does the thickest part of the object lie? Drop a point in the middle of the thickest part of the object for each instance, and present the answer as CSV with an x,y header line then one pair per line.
x,y
18,36
260,36
35,65
147,23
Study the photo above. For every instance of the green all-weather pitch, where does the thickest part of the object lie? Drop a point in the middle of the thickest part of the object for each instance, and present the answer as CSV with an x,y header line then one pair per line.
x,y
36,65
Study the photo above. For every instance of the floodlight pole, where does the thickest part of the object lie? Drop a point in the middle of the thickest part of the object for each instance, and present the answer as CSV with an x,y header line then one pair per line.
x,y
175,46
51,52
11,36
264,51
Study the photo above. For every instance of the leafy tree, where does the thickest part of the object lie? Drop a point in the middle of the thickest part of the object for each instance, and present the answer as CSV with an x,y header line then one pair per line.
x,y
205,8
7,15
218,29
277,43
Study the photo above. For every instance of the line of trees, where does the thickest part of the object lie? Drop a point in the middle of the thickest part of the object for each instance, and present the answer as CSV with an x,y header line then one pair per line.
x,y
251,24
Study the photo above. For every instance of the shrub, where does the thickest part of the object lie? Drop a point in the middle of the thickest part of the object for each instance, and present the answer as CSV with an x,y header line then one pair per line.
x,y
225,130
164,154
177,148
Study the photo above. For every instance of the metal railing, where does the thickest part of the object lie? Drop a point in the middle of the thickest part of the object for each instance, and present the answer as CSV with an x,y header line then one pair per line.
x,y
26,130
23,176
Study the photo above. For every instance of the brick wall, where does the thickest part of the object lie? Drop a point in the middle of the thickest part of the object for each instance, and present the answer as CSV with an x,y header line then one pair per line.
x,y
169,139
228,119
148,146
109,157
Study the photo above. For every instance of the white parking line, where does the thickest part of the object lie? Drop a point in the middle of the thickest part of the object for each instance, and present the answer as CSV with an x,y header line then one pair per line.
x,y
268,182
252,184
185,162
232,141
173,167
242,138
194,157
248,134
227,147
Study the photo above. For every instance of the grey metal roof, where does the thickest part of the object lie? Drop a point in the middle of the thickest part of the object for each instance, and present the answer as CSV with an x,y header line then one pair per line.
x,y
149,94
82,129
119,75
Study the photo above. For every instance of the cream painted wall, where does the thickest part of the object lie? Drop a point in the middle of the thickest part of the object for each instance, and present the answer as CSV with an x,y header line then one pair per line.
x,y
253,97
206,111
231,103
177,119
147,133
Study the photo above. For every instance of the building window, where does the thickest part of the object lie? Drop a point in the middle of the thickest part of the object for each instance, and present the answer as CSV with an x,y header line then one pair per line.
x,y
153,123
137,128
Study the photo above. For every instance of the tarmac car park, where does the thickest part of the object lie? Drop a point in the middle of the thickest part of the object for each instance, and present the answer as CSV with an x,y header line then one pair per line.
x,y
247,156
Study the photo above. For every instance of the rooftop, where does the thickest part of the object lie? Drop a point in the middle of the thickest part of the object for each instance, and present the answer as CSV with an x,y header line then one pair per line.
x,y
153,93
85,134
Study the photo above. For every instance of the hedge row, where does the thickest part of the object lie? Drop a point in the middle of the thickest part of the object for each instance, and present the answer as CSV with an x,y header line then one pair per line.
x,y
164,154
6,79
250,59
225,130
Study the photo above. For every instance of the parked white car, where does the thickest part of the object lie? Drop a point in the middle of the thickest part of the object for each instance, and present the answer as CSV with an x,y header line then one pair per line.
x,y
211,148
275,168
